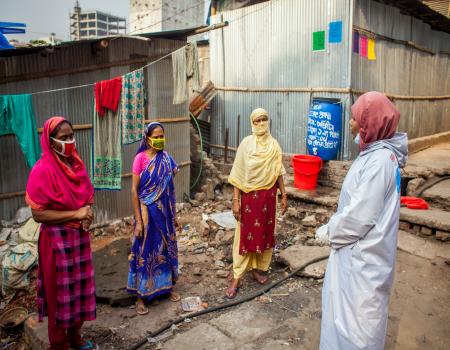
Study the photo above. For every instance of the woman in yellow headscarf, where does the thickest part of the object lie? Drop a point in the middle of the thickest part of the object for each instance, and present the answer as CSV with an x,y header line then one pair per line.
x,y
256,175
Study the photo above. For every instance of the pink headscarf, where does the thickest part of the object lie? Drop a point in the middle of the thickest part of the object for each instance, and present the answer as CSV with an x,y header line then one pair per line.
x,y
377,117
52,184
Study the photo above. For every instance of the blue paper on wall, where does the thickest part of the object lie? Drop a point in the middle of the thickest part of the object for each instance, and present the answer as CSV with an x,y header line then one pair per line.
x,y
335,32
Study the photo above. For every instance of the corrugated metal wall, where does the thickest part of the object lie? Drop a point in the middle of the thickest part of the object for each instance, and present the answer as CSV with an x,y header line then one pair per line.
x,y
404,70
77,106
269,45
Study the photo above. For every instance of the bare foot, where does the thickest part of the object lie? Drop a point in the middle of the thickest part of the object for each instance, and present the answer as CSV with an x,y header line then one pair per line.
x,y
259,278
141,309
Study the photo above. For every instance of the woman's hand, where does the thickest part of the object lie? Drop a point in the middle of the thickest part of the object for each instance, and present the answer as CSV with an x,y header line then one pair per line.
x,y
84,213
86,224
138,229
284,203
236,209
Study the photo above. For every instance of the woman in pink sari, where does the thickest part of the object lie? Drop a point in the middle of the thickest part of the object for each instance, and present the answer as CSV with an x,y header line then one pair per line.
x,y
60,195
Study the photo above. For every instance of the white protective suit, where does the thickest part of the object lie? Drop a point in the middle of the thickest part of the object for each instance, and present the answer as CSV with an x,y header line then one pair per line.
x,y
363,237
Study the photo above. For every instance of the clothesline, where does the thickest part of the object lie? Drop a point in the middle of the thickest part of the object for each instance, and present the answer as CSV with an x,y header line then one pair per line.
x,y
92,84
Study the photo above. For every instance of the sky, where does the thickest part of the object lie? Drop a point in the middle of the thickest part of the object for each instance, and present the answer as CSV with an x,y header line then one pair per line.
x,y
43,17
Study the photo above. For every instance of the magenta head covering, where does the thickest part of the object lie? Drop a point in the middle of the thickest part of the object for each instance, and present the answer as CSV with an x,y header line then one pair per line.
x,y
376,116
54,185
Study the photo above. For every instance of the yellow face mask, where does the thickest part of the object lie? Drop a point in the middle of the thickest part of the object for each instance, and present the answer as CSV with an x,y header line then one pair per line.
x,y
157,144
261,128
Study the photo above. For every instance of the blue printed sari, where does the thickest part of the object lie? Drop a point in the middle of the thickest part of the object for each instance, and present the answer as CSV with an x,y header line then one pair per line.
x,y
154,256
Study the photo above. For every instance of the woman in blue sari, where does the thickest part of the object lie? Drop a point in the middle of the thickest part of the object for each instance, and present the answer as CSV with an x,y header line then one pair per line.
x,y
154,256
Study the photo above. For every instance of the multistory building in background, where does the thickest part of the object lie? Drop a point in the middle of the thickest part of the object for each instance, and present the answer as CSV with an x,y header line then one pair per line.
x,y
147,16
93,24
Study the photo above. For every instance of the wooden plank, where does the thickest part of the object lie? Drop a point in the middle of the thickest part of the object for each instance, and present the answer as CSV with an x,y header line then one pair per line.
x,y
333,90
10,195
161,120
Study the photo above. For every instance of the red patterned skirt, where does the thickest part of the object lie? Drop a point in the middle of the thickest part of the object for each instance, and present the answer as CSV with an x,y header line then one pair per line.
x,y
258,210
65,256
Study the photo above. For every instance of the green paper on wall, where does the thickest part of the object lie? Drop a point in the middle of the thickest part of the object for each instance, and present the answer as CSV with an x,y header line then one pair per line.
x,y
319,40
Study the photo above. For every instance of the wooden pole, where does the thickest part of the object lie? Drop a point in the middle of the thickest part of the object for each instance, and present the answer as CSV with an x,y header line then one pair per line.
x,y
238,138
227,131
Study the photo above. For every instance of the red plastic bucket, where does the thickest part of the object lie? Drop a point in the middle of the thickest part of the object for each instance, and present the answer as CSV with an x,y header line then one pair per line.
x,y
306,171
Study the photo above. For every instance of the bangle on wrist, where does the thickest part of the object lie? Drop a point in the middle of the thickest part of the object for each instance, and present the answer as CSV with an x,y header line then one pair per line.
x,y
235,199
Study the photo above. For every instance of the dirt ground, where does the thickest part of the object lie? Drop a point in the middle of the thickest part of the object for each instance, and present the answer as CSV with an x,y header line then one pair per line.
x,y
419,309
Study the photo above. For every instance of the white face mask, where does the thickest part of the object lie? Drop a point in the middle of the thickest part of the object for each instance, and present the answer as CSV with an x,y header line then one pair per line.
x,y
357,139
67,147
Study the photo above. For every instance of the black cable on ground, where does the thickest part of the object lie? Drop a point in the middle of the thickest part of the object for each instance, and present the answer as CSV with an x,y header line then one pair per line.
x,y
431,184
226,305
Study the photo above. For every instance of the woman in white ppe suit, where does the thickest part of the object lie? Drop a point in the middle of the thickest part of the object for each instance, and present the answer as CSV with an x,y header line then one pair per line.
x,y
363,232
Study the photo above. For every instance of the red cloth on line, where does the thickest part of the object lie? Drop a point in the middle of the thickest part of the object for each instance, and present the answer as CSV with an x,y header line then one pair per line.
x,y
414,202
258,210
107,95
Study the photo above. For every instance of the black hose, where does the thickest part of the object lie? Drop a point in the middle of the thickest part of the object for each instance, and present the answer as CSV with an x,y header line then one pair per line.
x,y
432,183
226,305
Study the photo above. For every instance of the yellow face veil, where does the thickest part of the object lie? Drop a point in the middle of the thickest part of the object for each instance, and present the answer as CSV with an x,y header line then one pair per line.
x,y
258,162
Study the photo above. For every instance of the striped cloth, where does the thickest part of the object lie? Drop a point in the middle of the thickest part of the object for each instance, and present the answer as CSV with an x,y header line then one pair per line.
x,y
74,271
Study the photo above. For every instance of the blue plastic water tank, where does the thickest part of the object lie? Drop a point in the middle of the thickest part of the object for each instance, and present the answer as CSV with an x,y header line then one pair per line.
x,y
324,128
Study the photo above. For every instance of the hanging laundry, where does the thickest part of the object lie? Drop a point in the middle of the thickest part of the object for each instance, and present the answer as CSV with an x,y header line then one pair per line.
x,y
132,109
371,50
107,151
107,95
17,117
185,69
192,69
355,42
363,46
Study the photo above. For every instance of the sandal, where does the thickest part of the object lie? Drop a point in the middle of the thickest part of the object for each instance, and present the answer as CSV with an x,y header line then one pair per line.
x,y
141,309
88,345
259,278
231,292
174,297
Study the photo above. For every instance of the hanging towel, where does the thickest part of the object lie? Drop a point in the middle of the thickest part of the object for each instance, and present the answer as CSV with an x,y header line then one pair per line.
x,y
132,108
192,69
107,95
107,151
185,68
179,76
17,117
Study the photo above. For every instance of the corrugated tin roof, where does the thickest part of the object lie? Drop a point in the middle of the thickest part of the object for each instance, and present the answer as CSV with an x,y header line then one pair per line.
x,y
417,9
180,34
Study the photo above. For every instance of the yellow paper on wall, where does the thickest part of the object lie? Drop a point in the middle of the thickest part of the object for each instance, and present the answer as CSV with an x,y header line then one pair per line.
x,y
371,50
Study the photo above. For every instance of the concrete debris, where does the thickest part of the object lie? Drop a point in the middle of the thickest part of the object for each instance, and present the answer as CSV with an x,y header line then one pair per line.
x,y
220,263
221,274
309,221
297,255
204,228
224,219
